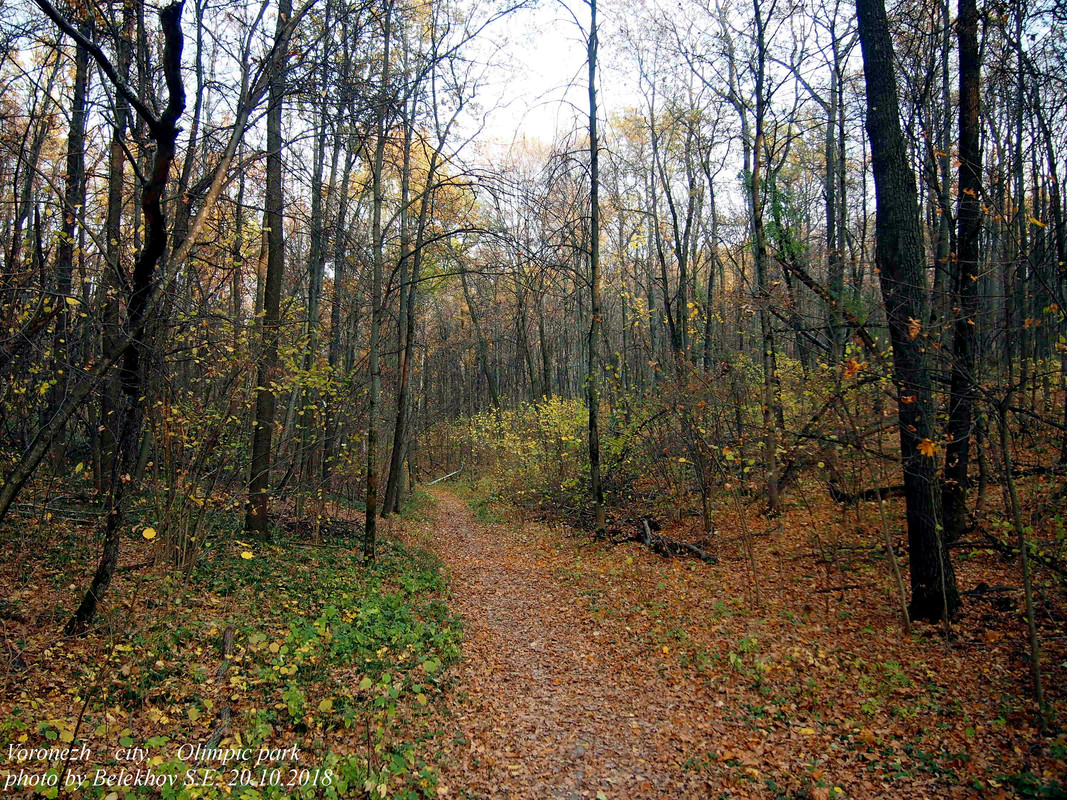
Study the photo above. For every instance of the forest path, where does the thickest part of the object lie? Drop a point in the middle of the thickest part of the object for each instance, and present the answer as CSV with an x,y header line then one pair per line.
x,y
555,699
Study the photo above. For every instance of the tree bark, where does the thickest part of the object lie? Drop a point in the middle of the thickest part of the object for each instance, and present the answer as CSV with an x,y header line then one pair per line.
x,y
378,258
964,357
164,131
900,261
592,376
257,510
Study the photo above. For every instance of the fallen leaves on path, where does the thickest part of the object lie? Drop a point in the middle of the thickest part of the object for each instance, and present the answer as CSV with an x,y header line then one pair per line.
x,y
612,673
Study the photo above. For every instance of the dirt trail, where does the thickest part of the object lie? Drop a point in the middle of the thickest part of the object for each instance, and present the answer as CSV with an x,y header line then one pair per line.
x,y
550,702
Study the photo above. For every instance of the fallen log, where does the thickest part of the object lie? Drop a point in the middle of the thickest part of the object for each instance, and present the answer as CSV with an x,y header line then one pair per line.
x,y
668,547
1047,561
14,656
225,714
227,652
877,493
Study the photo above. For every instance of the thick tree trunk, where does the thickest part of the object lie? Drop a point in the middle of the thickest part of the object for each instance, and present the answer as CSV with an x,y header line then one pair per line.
x,y
900,261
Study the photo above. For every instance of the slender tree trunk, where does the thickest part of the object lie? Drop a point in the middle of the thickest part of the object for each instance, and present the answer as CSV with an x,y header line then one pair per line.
x,y
759,249
336,349
378,258
481,343
592,376
257,519
112,282
306,417
406,321
964,357
835,258
72,214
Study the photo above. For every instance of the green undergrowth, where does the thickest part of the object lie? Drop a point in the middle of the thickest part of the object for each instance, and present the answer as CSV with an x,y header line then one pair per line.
x,y
340,661
484,499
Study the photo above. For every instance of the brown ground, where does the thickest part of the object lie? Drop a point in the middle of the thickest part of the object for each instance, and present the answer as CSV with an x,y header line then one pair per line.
x,y
591,672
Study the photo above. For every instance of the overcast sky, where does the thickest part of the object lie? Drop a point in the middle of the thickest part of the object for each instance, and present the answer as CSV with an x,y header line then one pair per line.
x,y
541,86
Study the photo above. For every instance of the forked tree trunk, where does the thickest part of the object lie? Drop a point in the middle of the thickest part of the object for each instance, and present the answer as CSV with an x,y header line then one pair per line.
x,y
164,132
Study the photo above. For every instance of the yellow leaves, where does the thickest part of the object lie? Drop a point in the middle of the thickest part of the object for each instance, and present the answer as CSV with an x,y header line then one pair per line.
x,y
326,705
149,533
74,301
1037,222
807,731
927,448
246,554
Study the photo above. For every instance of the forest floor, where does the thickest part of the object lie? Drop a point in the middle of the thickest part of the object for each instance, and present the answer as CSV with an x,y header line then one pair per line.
x,y
599,672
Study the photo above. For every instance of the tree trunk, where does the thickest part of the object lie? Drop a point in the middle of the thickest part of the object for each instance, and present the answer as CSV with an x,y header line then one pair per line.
x,y
164,132
378,258
964,360
592,376
257,511
900,261
72,213
771,400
